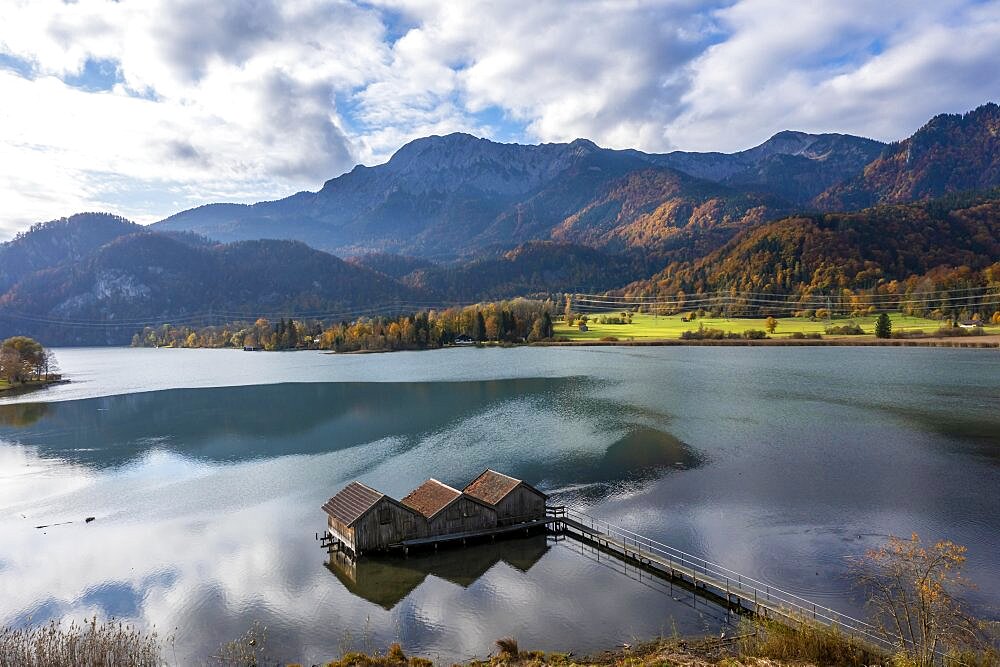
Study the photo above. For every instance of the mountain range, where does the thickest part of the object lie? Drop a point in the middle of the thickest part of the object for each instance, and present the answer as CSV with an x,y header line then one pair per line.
x,y
445,198
460,218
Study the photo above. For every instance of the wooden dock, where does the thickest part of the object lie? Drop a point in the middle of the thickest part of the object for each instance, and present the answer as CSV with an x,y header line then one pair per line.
x,y
434,540
726,588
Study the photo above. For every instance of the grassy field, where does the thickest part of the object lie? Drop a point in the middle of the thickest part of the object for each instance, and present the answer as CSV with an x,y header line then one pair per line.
x,y
649,327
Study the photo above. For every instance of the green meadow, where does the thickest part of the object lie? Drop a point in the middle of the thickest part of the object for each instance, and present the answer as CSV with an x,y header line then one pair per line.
x,y
649,327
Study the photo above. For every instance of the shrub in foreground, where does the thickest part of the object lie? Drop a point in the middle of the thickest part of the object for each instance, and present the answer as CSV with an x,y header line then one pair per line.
x,y
703,333
852,329
805,643
953,332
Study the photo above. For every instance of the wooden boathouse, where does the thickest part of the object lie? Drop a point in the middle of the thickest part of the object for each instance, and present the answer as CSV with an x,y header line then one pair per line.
x,y
361,519
512,499
447,510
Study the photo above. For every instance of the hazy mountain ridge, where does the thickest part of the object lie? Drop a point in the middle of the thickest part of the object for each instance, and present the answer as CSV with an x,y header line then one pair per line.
x,y
444,197
796,166
154,278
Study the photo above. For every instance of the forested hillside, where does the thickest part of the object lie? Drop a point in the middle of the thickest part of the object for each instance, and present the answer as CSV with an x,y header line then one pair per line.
x,y
951,153
533,268
947,244
152,278
57,242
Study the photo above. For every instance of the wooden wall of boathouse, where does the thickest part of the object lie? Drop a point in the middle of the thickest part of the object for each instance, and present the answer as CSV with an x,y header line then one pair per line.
x,y
385,524
340,530
462,515
522,504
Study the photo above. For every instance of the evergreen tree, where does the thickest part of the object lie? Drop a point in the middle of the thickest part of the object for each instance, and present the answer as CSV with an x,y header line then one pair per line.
x,y
883,326
546,325
479,327
279,335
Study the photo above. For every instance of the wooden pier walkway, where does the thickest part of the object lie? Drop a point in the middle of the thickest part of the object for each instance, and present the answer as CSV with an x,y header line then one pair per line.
x,y
727,588
732,590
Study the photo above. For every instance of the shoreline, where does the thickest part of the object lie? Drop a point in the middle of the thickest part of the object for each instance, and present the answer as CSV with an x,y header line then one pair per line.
x,y
991,341
29,387
980,342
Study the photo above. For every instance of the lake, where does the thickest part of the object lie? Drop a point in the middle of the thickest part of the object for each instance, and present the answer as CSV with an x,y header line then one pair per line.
x,y
205,471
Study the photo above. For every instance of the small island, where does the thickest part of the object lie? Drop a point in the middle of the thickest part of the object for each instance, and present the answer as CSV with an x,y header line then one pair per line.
x,y
25,365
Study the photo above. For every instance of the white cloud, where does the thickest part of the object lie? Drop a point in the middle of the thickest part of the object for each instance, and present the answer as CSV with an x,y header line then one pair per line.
x,y
218,100
878,71
244,101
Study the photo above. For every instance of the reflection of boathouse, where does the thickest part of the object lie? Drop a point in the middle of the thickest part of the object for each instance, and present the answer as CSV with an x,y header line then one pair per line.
x,y
362,519
386,580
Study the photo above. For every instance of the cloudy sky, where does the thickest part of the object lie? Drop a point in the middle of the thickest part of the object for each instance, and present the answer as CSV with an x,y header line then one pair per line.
x,y
147,107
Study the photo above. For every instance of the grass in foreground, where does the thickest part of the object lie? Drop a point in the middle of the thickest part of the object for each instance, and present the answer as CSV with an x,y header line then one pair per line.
x,y
757,643
650,327
90,644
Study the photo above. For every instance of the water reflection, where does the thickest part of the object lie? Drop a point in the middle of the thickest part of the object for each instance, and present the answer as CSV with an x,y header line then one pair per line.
x,y
775,462
617,444
19,415
386,580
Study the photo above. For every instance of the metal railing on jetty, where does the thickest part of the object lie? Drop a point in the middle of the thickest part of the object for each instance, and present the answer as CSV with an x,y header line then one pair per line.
x,y
737,590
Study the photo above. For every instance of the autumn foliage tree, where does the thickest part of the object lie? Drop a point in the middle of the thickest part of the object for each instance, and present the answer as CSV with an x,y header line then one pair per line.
x,y
913,594
513,321
23,359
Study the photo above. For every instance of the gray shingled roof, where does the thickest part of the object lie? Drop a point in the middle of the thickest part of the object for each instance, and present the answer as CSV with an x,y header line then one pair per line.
x,y
352,502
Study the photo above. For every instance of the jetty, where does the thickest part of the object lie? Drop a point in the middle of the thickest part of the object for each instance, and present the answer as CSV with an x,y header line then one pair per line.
x,y
361,520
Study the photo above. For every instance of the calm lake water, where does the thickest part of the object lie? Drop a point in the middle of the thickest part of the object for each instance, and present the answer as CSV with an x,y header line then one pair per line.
x,y
206,469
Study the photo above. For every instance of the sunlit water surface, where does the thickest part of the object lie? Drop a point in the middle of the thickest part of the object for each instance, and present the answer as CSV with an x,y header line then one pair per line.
x,y
205,471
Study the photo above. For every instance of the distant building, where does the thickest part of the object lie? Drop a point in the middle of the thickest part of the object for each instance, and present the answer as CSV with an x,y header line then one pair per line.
x,y
513,500
251,348
463,339
363,519
448,510
970,324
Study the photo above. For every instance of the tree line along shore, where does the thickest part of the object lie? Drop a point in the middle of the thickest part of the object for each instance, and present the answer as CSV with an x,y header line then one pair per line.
x,y
523,321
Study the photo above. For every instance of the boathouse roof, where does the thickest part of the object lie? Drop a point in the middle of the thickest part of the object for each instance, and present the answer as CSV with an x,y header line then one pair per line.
x,y
491,487
431,497
352,502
